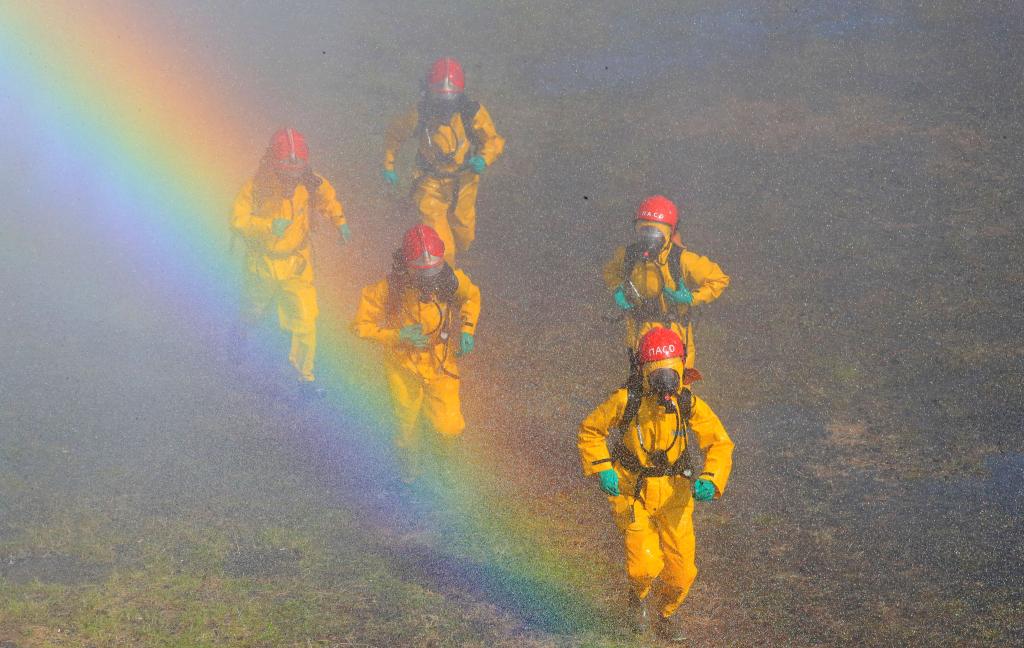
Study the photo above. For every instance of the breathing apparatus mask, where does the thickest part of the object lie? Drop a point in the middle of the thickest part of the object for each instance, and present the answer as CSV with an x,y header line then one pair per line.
x,y
651,240
438,282
665,383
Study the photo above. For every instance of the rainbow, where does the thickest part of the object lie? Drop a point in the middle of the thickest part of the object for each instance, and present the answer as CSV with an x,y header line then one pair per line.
x,y
148,150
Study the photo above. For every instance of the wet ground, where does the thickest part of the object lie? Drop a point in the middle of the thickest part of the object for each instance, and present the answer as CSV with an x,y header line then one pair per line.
x,y
855,170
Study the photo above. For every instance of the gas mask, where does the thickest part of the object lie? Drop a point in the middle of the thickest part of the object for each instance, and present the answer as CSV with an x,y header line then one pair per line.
x,y
651,240
665,383
287,181
439,282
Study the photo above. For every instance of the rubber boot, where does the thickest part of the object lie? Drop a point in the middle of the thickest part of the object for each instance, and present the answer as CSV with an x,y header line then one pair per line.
x,y
670,629
636,608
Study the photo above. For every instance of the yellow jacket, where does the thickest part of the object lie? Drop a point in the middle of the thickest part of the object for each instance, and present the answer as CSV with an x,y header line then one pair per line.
x,y
444,147
701,275
658,430
379,319
287,256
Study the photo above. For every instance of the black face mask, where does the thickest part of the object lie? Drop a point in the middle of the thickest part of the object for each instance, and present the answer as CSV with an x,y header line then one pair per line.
x,y
437,109
442,284
665,383
651,240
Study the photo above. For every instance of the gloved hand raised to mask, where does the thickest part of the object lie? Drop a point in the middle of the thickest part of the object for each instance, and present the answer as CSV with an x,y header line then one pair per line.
x,y
703,490
413,336
346,233
390,177
609,481
466,344
278,227
620,298
680,295
477,164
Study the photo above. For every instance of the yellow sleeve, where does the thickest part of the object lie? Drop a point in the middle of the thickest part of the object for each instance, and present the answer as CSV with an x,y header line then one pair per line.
x,y
491,144
370,322
705,274
468,294
592,440
613,277
400,130
715,442
242,220
327,202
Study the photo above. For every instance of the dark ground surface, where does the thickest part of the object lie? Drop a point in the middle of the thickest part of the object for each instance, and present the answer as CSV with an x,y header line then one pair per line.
x,y
856,171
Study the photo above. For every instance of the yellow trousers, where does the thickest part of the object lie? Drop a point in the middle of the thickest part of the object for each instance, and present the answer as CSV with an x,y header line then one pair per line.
x,y
296,313
436,198
437,399
659,543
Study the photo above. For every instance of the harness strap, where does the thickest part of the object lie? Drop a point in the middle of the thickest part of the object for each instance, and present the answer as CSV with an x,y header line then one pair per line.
x,y
651,309
467,110
683,465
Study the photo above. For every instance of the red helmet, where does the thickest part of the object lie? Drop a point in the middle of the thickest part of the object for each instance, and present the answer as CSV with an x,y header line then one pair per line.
x,y
658,209
446,78
288,151
661,344
423,250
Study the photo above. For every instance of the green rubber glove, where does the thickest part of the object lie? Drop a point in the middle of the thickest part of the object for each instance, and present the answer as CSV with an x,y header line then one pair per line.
x,y
346,233
390,177
477,163
620,298
279,226
703,490
680,295
466,345
413,335
609,481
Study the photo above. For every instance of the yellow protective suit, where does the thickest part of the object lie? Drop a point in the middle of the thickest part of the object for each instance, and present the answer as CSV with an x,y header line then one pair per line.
x,y
443,185
422,381
279,270
657,528
702,276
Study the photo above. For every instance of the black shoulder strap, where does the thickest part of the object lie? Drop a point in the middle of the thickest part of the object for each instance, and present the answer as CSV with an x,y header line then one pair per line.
x,y
448,285
421,115
685,402
312,182
397,281
633,399
688,461
634,254
468,110
675,265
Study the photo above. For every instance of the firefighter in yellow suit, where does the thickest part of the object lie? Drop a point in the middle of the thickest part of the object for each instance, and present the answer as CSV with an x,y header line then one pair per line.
x,y
651,295
457,142
273,215
645,475
424,315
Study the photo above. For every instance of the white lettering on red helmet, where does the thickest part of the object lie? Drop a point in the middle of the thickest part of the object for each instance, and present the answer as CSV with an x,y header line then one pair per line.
x,y
658,216
665,349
